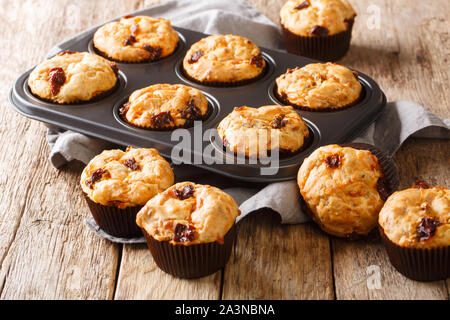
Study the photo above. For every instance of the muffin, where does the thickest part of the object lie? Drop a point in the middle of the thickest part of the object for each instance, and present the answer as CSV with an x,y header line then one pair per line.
x,y
189,229
224,60
254,132
344,189
72,77
116,184
319,87
165,106
415,228
136,39
318,29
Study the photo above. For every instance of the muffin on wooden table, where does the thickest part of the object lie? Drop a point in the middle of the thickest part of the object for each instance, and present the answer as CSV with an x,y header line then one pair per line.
x,y
344,189
319,87
415,228
136,39
71,77
250,131
189,229
224,60
116,184
165,106
319,29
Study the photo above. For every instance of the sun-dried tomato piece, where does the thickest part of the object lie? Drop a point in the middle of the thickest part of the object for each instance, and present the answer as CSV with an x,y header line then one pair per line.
x,y
279,121
155,52
419,184
132,164
57,79
383,189
128,16
130,40
257,60
185,193
161,119
96,176
115,68
319,31
184,233
192,112
333,161
66,52
302,5
123,111
427,228
196,56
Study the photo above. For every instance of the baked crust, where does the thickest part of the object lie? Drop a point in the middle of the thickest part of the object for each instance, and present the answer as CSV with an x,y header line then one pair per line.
x,y
224,59
319,86
136,39
180,104
404,212
339,185
126,179
83,77
206,212
304,17
245,129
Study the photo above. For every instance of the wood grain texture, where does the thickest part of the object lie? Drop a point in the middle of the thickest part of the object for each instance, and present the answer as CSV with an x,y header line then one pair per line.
x,y
47,252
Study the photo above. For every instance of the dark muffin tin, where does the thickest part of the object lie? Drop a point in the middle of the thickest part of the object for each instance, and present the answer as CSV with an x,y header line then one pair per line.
x,y
101,118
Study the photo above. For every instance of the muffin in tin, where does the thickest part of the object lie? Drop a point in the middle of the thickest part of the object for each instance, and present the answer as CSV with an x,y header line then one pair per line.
x,y
136,39
224,60
72,77
343,189
189,229
165,106
319,87
415,227
319,29
255,132
116,184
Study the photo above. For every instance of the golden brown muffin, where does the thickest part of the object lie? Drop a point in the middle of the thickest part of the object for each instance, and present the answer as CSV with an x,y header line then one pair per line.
x,y
189,213
136,39
319,86
339,186
309,18
126,179
223,59
245,128
165,106
71,77
418,217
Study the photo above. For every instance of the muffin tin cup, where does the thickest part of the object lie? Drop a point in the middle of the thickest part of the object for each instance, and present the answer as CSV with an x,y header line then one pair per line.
x,y
114,221
390,177
191,261
431,264
329,48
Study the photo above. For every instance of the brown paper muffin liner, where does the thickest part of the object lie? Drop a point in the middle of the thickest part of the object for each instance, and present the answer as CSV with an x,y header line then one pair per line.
x,y
329,48
191,261
390,181
117,222
419,264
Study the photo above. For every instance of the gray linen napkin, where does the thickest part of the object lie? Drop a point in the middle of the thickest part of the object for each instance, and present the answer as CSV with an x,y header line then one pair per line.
x,y
400,119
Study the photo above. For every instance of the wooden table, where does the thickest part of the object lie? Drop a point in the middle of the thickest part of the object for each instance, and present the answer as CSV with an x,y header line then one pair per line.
x,y
47,252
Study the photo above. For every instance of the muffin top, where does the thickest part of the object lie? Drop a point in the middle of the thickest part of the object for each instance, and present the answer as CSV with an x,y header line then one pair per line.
x,y
223,58
252,131
319,86
71,77
418,217
136,39
316,18
163,106
126,179
189,213
340,186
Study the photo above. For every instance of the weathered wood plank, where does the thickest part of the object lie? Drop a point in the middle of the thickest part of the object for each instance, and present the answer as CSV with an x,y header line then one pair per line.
x,y
273,261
